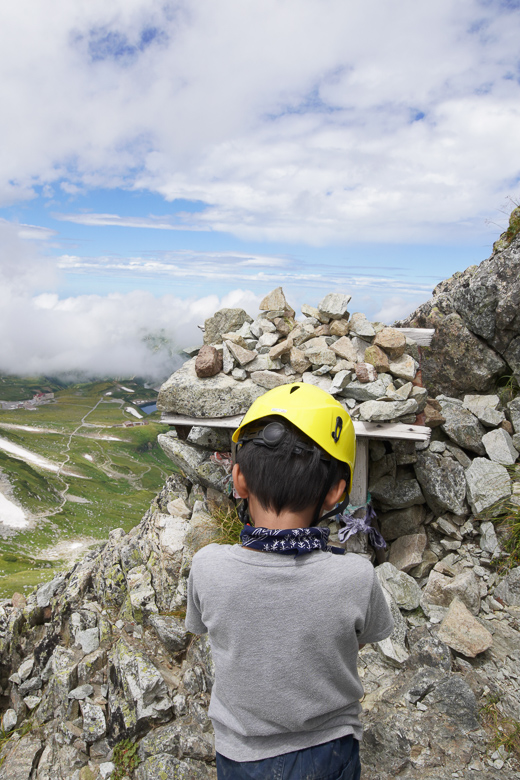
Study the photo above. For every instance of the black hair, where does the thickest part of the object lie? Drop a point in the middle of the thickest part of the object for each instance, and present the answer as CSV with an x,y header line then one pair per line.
x,y
289,476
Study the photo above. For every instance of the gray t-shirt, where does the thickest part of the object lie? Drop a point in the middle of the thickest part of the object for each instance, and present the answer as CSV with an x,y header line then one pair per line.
x,y
284,634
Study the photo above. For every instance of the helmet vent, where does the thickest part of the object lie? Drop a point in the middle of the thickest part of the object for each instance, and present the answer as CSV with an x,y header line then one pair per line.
x,y
293,389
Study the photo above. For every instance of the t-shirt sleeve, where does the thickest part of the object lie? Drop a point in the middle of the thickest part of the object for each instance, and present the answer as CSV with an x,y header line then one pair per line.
x,y
193,614
379,622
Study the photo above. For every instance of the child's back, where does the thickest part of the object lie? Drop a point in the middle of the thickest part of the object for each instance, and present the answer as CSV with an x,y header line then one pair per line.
x,y
285,615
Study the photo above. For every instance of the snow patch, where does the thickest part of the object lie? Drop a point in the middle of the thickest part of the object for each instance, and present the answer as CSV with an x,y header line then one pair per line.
x,y
134,412
11,514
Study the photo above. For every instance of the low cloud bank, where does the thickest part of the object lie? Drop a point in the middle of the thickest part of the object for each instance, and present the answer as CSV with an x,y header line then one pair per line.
x,y
118,334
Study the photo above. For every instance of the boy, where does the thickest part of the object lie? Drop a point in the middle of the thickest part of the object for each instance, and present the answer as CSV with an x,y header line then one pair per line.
x,y
285,616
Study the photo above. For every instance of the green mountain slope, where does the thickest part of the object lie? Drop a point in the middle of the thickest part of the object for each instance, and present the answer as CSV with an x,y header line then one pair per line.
x,y
104,476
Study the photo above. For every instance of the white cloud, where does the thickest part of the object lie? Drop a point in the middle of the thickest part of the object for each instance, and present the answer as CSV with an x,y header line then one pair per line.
x,y
116,335
115,220
297,120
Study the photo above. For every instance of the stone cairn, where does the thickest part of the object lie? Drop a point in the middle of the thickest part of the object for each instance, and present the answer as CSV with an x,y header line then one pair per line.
x,y
100,654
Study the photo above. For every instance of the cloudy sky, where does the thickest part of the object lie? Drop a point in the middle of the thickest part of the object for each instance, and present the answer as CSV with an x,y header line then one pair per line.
x,y
159,160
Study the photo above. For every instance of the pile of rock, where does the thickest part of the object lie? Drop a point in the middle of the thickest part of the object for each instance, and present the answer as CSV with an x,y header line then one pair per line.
x,y
369,367
100,655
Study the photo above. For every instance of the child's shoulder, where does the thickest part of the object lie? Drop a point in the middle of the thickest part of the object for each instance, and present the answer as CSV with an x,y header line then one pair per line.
x,y
211,551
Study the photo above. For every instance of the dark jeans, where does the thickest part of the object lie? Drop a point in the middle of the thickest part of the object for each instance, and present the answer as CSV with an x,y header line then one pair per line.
x,y
335,760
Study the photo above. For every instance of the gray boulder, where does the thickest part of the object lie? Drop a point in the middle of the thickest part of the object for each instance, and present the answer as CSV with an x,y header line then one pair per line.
x,y
488,483
462,426
403,588
442,481
224,321
216,396
397,494
499,447
508,589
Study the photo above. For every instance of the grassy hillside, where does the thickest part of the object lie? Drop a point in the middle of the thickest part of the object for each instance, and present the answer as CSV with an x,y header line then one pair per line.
x,y
109,473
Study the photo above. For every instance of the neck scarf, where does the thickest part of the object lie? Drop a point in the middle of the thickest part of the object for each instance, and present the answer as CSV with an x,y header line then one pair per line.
x,y
288,541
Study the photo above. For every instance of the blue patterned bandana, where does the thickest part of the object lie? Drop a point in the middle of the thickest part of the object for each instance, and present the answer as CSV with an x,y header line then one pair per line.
x,y
288,541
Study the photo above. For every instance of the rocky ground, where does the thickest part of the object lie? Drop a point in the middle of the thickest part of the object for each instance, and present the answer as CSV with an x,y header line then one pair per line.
x,y
100,655
98,662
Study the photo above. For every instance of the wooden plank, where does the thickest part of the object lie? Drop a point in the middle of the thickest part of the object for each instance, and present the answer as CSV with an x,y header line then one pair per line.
x,y
358,494
421,336
370,430
204,422
395,430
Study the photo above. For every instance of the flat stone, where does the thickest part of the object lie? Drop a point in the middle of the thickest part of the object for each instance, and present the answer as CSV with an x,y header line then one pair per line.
x,y
345,349
442,481
508,589
385,410
462,632
194,462
321,356
404,589
393,648
499,447
407,551
9,719
514,413
298,359
397,494
20,758
440,590
268,340
376,357
265,363
318,381
171,631
208,361
462,427
48,590
339,328
32,701
310,311
360,326
81,692
401,522
273,301
392,341
433,418
369,391
334,305
404,367
280,349
228,361
240,374
25,669
94,723
485,408
454,697
488,538
218,396
214,439
341,380
487,482
241,355
88,640
365,372
269,379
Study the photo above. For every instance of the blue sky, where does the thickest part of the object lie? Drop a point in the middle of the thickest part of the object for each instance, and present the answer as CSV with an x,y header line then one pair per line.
x,y
160,160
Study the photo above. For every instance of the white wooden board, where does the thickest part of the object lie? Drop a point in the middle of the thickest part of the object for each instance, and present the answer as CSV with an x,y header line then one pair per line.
x,y
421,336
370,430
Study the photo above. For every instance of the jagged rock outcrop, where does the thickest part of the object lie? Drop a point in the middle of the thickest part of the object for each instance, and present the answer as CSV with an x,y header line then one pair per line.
x,y
476,316
100,654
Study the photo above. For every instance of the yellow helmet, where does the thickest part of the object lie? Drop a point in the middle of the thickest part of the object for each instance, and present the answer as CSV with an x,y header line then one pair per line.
x,y
314,412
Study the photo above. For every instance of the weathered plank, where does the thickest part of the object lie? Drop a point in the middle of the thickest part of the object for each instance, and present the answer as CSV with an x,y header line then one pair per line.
x,y
370,430
421,336
358,494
